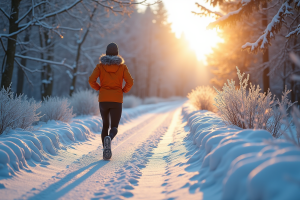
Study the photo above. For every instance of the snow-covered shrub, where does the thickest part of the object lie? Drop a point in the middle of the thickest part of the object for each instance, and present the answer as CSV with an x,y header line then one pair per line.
x,y
17,111
55,108
85,102
293,133
203,98
131,101
251,108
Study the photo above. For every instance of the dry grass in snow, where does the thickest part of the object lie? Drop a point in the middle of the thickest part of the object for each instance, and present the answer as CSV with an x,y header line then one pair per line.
x,y
85,102
251,108
55,108
292,135
203,98
16,111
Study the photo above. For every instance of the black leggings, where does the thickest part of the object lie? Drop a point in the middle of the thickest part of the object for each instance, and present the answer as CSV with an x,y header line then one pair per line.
x,y
113,109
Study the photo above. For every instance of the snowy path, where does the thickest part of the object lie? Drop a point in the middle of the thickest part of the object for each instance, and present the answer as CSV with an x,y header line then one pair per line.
x,y
149,156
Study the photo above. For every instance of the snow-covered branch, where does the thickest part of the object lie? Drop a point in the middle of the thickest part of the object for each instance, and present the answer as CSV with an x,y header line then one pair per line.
x,y
17,32
272,28
69,48
25,68
62,63
294,32
3,11
70,74
135,3
297,3
89,59
2,45
246,8
273,6
206,12
59,11
232,16
29,10
108,7
38,20
128,2
80,73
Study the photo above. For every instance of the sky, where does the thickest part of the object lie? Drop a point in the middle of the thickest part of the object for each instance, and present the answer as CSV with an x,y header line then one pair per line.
x,y
192,26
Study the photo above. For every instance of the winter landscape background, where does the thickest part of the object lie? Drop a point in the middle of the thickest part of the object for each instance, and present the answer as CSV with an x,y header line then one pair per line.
x,y
213,113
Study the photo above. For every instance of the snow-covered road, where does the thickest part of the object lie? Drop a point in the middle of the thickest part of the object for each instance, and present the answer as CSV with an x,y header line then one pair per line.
x,y
162,151
149,156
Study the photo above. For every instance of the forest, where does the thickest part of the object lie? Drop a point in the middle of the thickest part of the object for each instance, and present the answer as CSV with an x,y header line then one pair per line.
x,y
260,37
50,48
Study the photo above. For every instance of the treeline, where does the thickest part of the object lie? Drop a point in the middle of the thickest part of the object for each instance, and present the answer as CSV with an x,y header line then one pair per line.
x,y
49,48
259,38
161,64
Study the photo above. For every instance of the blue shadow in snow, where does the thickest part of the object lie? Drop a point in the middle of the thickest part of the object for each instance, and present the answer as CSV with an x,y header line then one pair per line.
x,y
54,192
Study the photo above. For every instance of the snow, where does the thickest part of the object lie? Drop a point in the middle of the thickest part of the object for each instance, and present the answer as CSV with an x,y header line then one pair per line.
x,y
225,17
18,147
294,32
273,27
69,74
162,151
62,63
241,164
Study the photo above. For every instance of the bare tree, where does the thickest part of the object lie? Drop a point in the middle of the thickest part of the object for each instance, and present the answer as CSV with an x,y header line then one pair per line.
x,y
17,26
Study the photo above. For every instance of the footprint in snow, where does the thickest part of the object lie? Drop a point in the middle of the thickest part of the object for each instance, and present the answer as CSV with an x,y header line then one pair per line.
x,y
133,181
127,194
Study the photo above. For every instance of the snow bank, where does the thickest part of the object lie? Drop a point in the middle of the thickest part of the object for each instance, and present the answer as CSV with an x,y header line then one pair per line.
x,y
235,163
20,150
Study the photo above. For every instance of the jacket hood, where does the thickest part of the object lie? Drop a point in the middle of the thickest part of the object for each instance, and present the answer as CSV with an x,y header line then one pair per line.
x,y
111,60
111,64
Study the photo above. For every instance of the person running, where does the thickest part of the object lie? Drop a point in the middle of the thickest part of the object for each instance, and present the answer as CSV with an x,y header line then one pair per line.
x,y
111,70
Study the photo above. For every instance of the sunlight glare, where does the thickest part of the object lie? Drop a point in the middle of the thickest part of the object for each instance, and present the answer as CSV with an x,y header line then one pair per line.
x,y
193,27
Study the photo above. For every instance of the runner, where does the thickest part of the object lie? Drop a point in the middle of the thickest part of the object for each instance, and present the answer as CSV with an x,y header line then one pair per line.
x,y
111,71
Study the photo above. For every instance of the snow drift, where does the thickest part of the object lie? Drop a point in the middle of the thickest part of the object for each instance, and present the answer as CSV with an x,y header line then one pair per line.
x,y
21,149
235,163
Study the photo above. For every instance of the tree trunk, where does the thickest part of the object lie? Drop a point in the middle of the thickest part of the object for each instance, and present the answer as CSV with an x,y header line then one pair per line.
x,y
149,64
20,81
135,77
11,45
72,87
266,78
47,74
293,93
284,74
158,86
293,83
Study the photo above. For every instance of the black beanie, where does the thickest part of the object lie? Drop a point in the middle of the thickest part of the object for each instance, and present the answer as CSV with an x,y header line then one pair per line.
x,y
112,49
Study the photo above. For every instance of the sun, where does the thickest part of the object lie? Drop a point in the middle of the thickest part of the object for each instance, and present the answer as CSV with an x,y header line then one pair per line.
x,y
193,27
201,40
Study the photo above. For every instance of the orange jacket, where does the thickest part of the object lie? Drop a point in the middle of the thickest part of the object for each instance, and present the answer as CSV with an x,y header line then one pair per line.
x,y
111,72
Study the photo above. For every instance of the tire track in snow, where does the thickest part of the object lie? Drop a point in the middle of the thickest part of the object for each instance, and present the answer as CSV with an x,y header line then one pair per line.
x,y
120,185
158,168
90,172
165,175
